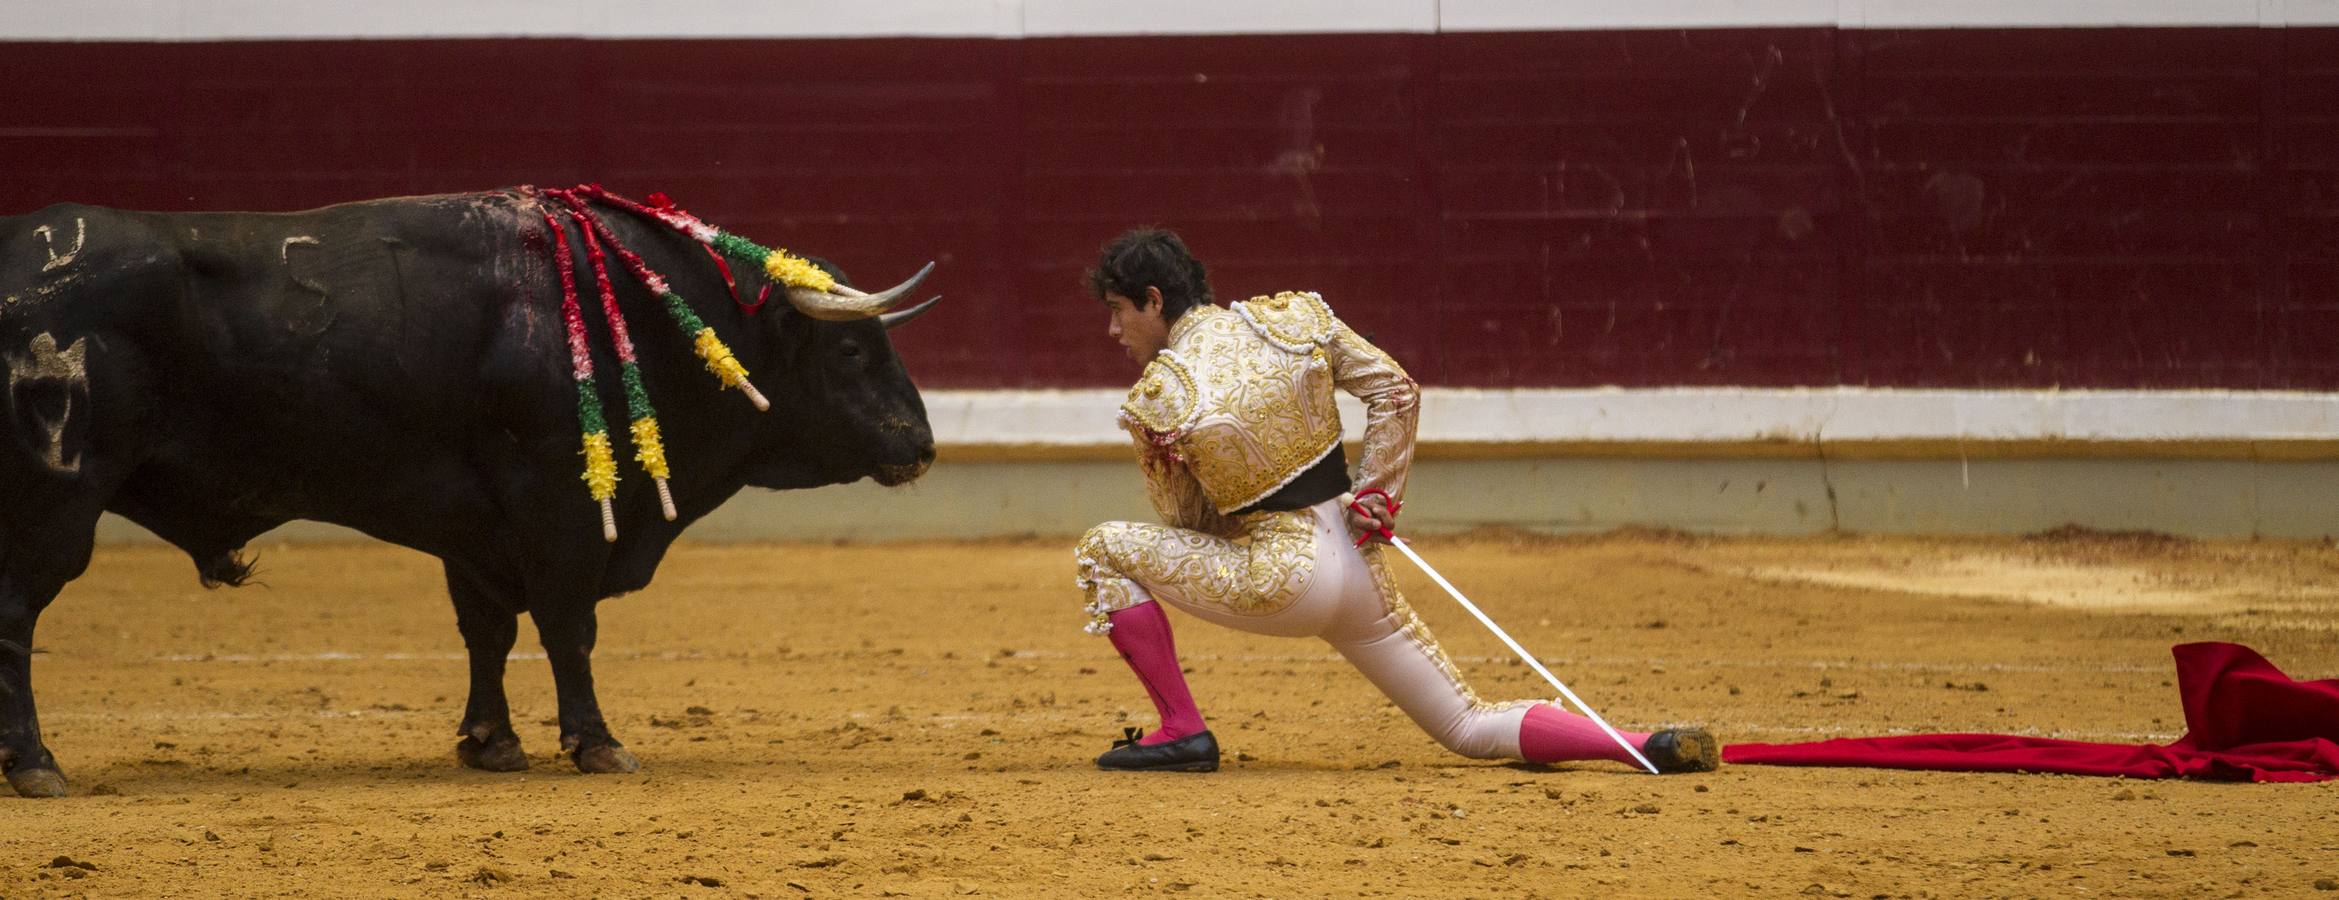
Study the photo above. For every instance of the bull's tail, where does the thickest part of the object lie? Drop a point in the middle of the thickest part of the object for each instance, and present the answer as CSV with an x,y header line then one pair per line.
x,y
227,568
20,461
16,445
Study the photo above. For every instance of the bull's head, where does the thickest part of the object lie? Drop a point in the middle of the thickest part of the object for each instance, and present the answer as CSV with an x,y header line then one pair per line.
x,y
849,410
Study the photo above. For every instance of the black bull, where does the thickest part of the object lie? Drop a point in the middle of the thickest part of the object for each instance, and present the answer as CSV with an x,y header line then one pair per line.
x,y
398,367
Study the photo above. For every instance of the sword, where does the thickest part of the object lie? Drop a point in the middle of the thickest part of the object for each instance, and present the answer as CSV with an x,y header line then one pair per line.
x,y
1456,593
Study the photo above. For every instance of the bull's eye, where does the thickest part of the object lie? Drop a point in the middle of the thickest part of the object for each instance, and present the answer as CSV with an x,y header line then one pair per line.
x,y
851,350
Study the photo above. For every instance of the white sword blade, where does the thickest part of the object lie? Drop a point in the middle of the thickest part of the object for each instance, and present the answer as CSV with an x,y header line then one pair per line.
x,y
1407,549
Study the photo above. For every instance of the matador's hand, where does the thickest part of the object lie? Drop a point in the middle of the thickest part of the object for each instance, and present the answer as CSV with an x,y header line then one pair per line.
x,y
1369,516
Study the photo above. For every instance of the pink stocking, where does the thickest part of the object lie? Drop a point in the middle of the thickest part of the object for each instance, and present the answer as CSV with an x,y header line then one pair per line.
x,y
1549,734
1142,634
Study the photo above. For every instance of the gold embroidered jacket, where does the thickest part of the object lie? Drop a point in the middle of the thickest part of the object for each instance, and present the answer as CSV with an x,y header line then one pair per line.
x,y
1240,403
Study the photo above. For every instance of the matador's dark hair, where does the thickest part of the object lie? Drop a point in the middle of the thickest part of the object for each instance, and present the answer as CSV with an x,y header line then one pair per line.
x,y
1151,257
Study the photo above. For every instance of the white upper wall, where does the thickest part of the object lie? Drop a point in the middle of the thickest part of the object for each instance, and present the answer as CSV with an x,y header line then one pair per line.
x,y
208,20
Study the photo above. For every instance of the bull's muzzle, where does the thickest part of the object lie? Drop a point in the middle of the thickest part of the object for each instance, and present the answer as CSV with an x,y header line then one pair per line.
x,y
896,475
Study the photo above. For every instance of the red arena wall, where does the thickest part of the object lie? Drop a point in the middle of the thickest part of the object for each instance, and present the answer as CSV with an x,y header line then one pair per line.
x,y
2024,208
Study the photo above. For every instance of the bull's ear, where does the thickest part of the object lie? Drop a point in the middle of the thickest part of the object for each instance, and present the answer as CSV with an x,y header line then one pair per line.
x,y
894,320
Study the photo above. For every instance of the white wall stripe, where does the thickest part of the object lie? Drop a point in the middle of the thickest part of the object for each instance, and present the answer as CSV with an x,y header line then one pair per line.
x,y
1587,15
2324,13
2060,13
1051,18
210,20
1593,415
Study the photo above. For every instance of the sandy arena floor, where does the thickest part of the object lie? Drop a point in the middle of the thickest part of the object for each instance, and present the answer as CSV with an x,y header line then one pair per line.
x,y
917,720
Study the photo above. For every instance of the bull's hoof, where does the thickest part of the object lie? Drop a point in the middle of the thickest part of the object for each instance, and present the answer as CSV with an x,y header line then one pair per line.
x,y
606,759
500,755
37,782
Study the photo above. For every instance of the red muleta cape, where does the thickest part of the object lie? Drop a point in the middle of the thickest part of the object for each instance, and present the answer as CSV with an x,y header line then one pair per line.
x,y
2244,719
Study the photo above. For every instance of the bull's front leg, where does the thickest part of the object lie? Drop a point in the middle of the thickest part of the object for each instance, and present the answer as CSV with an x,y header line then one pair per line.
x,y
490,626
568,628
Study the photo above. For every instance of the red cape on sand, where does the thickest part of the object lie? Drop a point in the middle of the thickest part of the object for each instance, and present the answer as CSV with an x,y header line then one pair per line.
x,y
2244,719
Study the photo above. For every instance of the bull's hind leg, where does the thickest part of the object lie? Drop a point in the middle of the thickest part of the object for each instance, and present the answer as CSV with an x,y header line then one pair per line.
x,y
31,770
568,630
490,626
36,560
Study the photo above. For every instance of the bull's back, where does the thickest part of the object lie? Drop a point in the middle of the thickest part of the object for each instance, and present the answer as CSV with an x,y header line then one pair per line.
x,y
79,267
296,363
415,282
395,297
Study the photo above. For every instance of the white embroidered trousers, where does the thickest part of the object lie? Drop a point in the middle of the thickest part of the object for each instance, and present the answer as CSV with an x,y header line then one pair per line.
x,y
1298,574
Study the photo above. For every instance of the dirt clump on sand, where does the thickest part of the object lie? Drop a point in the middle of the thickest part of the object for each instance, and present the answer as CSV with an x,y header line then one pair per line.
x,y
918,720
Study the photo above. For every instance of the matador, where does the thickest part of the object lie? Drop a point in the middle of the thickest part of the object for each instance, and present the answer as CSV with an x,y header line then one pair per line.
x,y
1240,443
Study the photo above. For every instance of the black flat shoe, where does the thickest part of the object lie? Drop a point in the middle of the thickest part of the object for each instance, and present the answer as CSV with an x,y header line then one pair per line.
x,y
1192,753
1678,750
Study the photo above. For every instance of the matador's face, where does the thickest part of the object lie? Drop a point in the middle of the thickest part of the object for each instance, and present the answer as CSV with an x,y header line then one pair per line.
x,y
1139,329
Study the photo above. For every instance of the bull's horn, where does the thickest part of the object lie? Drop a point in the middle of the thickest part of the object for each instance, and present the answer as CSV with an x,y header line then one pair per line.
x,y
843,304
895,319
